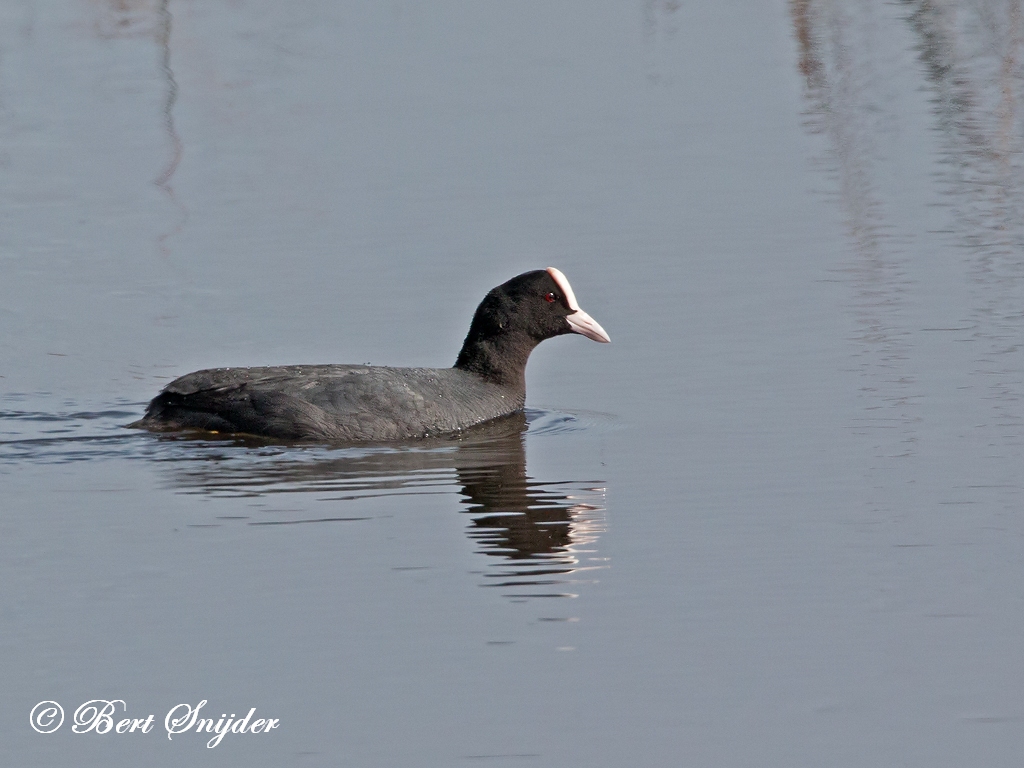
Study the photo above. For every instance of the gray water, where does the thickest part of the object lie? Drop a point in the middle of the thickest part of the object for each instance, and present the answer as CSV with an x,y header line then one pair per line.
x,y
775,522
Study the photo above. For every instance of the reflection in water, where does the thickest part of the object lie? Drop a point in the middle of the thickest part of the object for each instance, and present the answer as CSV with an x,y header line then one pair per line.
x,y
659,30
128,18
545,531
171,96
844,87
860,90
972,60
152,18
541,535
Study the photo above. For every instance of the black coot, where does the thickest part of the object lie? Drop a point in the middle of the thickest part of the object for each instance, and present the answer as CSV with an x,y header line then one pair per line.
x,y
372,403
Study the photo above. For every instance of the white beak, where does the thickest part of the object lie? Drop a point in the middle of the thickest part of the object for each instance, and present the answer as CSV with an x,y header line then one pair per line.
x,y
582,323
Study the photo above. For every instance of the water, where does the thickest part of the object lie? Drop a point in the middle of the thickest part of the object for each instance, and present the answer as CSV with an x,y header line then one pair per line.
x,y
775,522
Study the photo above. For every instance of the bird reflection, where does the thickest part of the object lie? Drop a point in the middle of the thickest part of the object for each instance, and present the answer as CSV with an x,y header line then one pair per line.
x,y
540,534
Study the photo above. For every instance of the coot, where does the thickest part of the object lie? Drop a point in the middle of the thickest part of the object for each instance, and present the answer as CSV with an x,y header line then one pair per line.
x,y
373,403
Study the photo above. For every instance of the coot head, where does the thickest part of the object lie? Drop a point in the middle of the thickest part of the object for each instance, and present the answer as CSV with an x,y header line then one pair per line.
x,y
539,304
515,317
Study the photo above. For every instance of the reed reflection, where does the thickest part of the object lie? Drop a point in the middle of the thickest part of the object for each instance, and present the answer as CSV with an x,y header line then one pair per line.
x,y
129,19
971,54
541,535
960,192
845,79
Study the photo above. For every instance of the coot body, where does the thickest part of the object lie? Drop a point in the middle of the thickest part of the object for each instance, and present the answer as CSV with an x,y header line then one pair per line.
x,y
355,403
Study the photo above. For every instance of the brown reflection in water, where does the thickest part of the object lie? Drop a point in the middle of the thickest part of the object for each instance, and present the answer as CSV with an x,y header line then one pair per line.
x,y
970,56
844,84
974,70
810,64
541,534
972,62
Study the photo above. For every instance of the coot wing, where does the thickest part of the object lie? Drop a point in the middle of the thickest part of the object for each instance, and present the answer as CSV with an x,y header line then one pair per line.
x,y
338,402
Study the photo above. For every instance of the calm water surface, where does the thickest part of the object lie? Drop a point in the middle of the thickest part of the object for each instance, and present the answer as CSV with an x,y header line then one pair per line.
x,y
775,522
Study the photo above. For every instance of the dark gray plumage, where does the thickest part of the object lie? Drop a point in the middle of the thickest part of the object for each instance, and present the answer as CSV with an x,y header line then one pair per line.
x,y
372,403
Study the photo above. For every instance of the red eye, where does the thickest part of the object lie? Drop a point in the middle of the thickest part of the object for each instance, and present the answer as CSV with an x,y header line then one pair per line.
x,y
550,298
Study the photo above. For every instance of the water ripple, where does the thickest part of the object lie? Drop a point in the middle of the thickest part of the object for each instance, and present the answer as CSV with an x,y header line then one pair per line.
x,y
541,534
